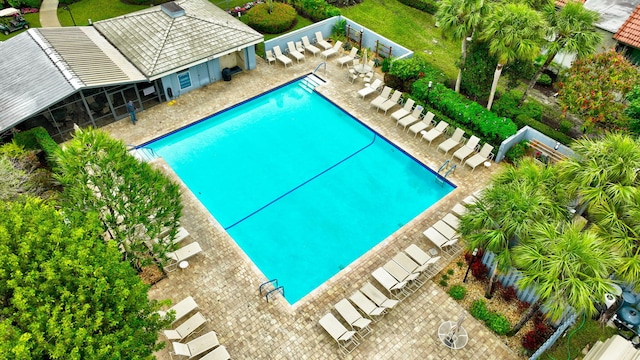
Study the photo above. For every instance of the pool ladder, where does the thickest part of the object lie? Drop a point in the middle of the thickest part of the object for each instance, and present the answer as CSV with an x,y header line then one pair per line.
x,y
275,289
443,167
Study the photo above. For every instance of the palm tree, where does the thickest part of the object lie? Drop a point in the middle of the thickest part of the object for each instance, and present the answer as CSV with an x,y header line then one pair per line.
x,y
568,268
459,19
513,31
573,31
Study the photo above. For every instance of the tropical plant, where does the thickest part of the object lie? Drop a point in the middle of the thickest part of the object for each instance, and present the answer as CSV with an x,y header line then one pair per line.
x,y
568,268
458,292
573,31
459,19
513,31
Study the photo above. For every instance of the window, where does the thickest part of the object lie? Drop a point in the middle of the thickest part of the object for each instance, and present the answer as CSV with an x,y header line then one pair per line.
x,y
185,80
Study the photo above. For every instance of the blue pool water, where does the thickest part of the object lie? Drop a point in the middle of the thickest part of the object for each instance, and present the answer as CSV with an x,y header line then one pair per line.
x,y
301,186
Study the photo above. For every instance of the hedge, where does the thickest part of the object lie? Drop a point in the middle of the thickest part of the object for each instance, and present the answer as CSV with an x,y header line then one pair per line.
x,y
523,120
315,10
492,128
37,138
428,6
404,72
281,18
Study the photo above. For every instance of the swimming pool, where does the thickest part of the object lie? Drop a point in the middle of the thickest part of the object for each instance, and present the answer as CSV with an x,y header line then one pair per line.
x,y
301,186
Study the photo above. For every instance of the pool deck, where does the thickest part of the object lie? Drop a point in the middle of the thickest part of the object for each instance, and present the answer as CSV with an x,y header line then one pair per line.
x,y
224,282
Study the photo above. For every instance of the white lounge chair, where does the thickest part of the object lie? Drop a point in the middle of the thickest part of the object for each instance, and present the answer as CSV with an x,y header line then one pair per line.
x,y
270,57
451,220
186,328
333,51
353,317
452,142
219,353
282,58
377,296
182,254
295,53
384,96
393,101
409,264
446,230
470,200
197,346
300,47
322,42
346,339
466,149
396,289
402,274
367,306
411,119
427,121
459,210
181,234
451,247
308,47
435,132
406,110
181,309
422,258
483,155
348,58
370,89
435,237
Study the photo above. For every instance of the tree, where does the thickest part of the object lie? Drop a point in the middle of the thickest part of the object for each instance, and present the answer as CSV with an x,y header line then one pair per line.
x,y
568,268
595,88
65,294
477,71
573,31
513,31
459,19
135,202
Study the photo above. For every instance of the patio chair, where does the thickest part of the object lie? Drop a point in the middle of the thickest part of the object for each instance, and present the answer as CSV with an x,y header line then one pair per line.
x,y
402,274
435,132
417,254
181,309
427,121
219,353
181,234
459,210
353,317
370,89
412,118
452,142
451,220
446,230
282,58
384,96
186,328
322,42
406,110
393,101
348,58
435,237
466,149
396,289
308,47
367,306
451,247
483,155
470,200
346,339
300,47
352,75
377,296
182,254
409,264
295,53
270,57
333,51
197,346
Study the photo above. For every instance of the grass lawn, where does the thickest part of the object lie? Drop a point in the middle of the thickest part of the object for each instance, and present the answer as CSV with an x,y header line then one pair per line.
x,y
590,332
95,10
411,28
34,22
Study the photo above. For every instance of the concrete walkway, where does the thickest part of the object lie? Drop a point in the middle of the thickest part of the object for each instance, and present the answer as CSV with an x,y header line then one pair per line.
x,y
49,14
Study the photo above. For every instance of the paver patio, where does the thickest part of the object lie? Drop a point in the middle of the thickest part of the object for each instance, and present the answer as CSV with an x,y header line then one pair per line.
x,y
224,282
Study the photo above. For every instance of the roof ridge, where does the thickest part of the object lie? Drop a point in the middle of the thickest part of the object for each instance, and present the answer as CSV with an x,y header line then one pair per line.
x,y
58,60
165,37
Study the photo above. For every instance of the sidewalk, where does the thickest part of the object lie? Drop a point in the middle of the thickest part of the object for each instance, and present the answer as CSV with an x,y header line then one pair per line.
x,y
49,14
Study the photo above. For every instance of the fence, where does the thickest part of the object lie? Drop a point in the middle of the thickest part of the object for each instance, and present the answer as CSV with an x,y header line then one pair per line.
x,y
570,320
527,133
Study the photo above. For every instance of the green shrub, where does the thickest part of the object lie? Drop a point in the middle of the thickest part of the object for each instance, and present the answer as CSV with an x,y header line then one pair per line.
x,y
281,18
450,272
523,120
386,64
532,109
37,138
458,292
26,139
517,151
445,277
403,73
565,126
507,104
479,310
428,6
460,264
498,323
315,10
544,80
340,29
443,283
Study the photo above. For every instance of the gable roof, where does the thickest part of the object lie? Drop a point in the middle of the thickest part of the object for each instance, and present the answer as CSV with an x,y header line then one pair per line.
x,y
629,32
158,43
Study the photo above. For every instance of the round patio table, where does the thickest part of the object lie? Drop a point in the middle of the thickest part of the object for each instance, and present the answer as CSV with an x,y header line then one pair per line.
x,y
362,68
455,341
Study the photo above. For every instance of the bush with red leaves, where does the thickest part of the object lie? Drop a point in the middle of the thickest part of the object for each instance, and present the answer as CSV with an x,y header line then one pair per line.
x,y
523,306
509,293
479,270
533,339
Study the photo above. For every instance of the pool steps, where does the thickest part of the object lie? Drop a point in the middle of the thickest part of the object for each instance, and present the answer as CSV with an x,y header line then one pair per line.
x,y
142,153
310,82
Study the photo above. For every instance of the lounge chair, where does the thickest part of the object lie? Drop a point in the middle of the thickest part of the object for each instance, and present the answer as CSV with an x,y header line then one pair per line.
x,y
353,317
346,339
186,328
219,353
417,254
270,57
384,96
451,246
466,149
435,237
182,254
348,58
377,296
282,58
452,142
295,53
181,309
367,306
483,155
406,110
300,47
321,41
333,51
402,274
181,234
435,132
459,210
470,200
393,101
395,288
412,118
446,230
451,220
308,47
409,264
197,346
370,89
426,121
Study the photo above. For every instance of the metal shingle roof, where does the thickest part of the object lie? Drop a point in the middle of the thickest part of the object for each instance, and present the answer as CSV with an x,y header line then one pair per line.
x,y
159,44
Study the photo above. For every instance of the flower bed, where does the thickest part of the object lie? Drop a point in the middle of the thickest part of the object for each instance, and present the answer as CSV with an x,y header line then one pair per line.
x,y
241,10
